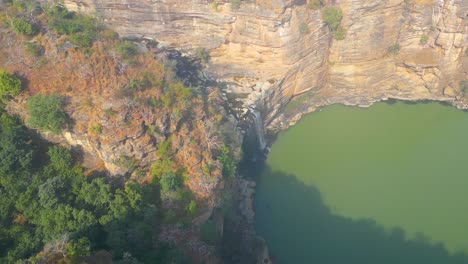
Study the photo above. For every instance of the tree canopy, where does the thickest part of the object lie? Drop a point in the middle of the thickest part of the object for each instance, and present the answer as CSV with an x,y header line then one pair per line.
x,y
42,204
45,112
9,85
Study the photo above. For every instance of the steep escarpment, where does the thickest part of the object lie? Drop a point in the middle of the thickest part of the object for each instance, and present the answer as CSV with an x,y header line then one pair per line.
x,y
259,50
136,112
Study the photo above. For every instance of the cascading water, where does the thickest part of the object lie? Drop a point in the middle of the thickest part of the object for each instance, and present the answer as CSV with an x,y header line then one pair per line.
x,y
258,123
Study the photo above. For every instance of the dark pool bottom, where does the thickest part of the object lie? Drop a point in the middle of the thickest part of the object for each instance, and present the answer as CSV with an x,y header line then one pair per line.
x,y
387,184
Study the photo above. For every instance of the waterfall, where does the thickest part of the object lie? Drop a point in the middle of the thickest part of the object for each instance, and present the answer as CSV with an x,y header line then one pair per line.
x,y
258,122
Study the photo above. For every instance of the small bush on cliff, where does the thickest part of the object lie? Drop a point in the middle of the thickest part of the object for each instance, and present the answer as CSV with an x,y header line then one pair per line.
x,y
46,112
202,54
304,28
9,85
33,49
332,17
339,33
395,48
424,39
127,49
214,5
315,4
235,4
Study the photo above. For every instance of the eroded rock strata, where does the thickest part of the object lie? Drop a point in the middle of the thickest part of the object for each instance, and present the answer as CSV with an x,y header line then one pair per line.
x,y
259,50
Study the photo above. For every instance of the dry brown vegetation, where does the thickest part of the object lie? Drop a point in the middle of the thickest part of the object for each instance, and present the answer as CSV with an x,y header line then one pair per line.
x,y
111,100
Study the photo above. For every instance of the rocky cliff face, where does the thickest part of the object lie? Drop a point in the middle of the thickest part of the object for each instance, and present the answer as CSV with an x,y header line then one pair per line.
x,y
259,50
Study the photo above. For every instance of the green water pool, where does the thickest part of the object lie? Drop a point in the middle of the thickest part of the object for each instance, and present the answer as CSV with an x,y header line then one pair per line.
x,y
386,184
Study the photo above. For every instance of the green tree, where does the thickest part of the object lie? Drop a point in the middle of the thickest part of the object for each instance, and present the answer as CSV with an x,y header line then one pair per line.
x,y
229,166
9,85
15,152
78,249
60,158
169,182
81,30
46,112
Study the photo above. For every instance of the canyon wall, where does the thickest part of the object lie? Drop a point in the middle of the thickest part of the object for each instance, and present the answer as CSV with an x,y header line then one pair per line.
x,y
258,50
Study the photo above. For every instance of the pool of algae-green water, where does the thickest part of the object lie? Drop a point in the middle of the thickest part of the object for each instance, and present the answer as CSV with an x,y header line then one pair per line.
x,y
385,184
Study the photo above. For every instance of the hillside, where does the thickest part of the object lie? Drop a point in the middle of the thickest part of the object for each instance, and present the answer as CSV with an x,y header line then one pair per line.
x,y
131,119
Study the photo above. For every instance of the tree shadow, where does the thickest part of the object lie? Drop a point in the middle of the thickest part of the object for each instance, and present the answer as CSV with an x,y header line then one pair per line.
x,y
300,228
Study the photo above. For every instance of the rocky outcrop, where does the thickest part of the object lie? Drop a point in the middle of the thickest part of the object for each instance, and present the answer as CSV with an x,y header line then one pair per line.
x,y
259,50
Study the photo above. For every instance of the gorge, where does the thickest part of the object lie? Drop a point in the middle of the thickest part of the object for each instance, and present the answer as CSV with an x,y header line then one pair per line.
x,y
281,58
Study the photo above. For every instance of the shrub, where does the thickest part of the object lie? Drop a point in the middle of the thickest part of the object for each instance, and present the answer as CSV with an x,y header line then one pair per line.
x,y
235,4
161,167
315,4
192,208
332,17
395,48
46,112
339,33
127,49
9,85
82,30
96,129
169,182
22,26
463,86
202,54
33,49
126,162
229,166
424,39
304,28
214,5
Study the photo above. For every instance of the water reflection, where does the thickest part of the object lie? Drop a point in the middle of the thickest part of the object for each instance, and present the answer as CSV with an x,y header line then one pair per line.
x,y
300,228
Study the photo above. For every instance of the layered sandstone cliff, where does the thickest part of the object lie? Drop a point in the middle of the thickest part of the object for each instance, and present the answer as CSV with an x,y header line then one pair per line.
x,y
259,51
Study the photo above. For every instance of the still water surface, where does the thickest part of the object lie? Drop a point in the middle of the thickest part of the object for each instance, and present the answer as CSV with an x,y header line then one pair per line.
x,y
387,184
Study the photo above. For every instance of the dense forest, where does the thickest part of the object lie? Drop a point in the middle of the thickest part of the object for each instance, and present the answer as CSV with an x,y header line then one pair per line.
x,y
47,203
55,66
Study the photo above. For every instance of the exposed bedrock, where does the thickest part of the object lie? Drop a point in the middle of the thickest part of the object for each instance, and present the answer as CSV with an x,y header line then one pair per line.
x,y
260,51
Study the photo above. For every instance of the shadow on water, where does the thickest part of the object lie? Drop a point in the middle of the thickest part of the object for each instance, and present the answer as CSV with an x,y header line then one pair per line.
x,y
300,228
392,101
